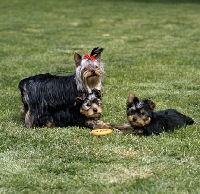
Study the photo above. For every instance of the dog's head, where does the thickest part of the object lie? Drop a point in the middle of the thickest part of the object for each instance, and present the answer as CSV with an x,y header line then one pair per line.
x,y
89,70
139,112
91,104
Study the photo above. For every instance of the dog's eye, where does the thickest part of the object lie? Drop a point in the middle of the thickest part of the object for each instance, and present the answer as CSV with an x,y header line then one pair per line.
x,y
142,113
88,104
132,111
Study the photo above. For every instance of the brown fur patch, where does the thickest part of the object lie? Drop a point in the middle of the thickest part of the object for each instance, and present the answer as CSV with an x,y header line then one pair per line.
x,y
130,98
22,113
28,120
97,124
137,121
50,124
91,76
93,112
151,104
77,59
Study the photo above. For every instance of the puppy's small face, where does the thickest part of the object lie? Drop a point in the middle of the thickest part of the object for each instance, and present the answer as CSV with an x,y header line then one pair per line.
x,y
139,112
138,117
92,105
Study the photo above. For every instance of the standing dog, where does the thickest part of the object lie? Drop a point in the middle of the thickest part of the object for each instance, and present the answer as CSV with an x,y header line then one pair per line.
x,y
40,93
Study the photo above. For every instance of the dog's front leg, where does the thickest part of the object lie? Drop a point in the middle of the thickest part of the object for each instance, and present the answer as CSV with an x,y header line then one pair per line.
x,y
123,128
98,124
29,120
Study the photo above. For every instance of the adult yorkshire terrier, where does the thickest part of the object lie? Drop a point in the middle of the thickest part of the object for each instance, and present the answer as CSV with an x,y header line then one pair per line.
x,y
45,91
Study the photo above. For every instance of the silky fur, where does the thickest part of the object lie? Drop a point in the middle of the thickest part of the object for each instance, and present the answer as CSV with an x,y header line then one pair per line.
x,y
143,119
86,109
42,92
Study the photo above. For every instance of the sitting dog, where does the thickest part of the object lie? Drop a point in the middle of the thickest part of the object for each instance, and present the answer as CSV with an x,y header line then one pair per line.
x,y
41,93
86,109
144,120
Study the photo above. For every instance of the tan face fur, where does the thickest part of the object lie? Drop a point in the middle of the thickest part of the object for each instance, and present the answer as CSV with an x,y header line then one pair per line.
x,y
93,112
91,105
89,73
91,76
92,108
137,121
139,111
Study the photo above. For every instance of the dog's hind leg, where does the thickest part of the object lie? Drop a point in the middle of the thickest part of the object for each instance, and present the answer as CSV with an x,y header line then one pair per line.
x,y
29,119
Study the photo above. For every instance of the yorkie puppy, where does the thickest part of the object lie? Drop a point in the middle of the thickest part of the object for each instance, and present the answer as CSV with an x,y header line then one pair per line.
x,y
144,120
42,92
87,108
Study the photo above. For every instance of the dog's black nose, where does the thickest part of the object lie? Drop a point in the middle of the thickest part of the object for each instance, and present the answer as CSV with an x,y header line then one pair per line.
x,y
134,119
93,71
94,109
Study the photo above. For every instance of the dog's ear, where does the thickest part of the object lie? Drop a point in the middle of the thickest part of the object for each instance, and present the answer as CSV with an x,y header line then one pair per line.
x,y
78,101
80,98
97,52
131,98
151,104
83,97
77,59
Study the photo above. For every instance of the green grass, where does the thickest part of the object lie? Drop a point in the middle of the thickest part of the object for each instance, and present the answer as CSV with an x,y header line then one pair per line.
x,y
151,49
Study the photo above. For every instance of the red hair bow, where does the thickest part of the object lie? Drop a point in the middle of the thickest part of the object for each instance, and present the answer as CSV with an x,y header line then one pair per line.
x,y
86,56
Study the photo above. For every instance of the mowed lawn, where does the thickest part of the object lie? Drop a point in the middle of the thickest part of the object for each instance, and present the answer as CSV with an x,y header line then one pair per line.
x,y
152,48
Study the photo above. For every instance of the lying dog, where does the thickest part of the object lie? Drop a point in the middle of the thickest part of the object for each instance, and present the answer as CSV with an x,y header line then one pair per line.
x,y
144,121
86,108
85,112
141,116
